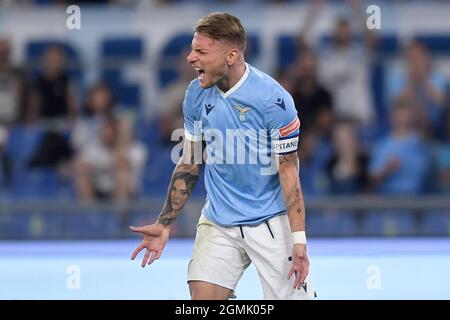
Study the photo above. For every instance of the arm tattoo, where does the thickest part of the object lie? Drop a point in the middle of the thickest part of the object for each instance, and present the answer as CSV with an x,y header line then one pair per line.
x,y
283,159
293,198
184,179
180,189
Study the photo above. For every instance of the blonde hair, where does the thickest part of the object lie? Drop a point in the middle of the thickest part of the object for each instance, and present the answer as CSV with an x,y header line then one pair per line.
x,y
222,26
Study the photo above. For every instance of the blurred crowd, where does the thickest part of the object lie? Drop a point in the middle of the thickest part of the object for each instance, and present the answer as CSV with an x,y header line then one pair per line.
x,y
348,146
400,147
88,143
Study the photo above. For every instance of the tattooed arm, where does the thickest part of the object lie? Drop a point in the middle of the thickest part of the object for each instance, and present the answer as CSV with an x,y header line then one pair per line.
x,y
290,184
184,179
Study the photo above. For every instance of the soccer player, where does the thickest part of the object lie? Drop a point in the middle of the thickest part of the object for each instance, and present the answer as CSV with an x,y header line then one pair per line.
x,y
251,215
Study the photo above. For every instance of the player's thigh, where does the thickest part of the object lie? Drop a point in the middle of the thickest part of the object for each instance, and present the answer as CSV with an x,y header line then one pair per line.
x,y
217,257
269,247
202,290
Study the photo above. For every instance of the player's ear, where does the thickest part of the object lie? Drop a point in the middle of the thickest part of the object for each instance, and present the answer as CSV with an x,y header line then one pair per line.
x,y
232,56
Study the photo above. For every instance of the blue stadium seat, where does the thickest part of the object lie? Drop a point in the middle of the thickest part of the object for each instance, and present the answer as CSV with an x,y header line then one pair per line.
x,y
19,225
5,224
253,49
91,224
127,48
177,44
330,224
437,44
157,172
22,143
116,54
287,50
53,224
128,96
388,223
67,189
35,183
435,223
148,133
388,44
169,57
38,225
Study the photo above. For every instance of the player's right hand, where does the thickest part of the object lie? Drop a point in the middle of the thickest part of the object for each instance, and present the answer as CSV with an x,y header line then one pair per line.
x,y
155,239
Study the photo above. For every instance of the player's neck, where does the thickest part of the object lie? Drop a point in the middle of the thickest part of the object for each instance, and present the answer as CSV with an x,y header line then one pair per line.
x,y
235,74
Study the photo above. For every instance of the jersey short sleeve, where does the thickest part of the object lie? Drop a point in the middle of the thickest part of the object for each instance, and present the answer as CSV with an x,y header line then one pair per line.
x,y
191,131
283,124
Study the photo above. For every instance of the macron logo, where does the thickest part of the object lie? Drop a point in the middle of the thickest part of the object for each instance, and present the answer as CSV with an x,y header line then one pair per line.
x,y
208,108
280,103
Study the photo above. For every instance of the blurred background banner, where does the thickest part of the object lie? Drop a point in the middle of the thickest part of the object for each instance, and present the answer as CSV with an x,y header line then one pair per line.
x,y
91,92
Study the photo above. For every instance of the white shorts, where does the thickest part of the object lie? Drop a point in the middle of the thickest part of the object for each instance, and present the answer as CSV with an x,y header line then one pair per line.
x,y
221,255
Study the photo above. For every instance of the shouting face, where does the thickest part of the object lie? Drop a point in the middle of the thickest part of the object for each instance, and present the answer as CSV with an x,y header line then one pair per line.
x,y
211,59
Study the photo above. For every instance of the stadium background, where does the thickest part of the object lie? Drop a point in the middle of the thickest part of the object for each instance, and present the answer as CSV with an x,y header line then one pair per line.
x,y
137,50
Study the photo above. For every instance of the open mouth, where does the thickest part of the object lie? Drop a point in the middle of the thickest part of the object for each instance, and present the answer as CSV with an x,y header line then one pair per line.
x,y
201,73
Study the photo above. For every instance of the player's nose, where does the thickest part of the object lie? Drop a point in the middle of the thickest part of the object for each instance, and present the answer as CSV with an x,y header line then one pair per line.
x,y
191,57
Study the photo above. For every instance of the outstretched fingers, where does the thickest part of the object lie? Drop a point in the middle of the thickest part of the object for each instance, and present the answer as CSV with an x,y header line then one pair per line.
x,y
136,229
154,256
137,250
146,257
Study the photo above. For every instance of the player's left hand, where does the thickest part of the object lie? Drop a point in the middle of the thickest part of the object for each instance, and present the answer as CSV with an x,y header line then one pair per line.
x,y
300,265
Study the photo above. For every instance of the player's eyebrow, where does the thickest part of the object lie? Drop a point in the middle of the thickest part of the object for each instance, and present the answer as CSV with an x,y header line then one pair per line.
x,y
197,49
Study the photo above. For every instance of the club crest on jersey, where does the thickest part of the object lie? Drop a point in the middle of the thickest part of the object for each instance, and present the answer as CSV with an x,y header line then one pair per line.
x,y
242,112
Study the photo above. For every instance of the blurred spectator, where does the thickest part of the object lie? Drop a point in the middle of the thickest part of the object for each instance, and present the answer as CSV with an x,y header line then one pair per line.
x,y
171,116
423,84
99,106
314,154
284,77
12,93
52,104
12,87
5,162
53,93
110,167
344,68
347,168
400,162
344,65
313,102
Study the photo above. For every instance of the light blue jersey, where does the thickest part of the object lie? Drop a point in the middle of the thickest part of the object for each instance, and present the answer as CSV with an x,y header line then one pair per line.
x,y
243,129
